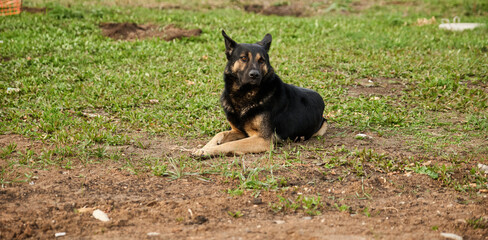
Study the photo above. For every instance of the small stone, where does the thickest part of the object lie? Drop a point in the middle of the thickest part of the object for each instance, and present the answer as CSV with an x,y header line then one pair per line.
x,y
257,201
363,136
153,234
200,219
279,221
460,221
84,210
307,218
100,215
428,163
91,115
483,167
451,236
60,234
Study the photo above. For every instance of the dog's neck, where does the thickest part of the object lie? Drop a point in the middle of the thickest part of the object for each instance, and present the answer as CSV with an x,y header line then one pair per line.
x,y
241,98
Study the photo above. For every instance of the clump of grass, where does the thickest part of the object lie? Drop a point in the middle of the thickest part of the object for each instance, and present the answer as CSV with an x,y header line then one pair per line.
x,y
478,223
8,150
311,205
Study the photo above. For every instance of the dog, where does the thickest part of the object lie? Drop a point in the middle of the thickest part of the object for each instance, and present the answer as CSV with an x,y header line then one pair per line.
x,y
259,106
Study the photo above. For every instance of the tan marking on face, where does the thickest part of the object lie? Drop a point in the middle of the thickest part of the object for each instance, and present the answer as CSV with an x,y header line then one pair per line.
x,y
240,65
258,56
253,127
263,67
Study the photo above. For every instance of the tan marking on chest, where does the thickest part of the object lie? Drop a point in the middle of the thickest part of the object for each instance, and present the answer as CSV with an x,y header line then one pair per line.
x,y
254,126
233,127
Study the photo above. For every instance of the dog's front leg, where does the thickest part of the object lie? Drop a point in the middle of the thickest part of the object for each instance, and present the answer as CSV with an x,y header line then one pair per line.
x,y
253,144
220,138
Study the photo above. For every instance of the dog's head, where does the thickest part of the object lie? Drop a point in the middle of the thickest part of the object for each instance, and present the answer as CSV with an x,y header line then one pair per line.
x,y
248,63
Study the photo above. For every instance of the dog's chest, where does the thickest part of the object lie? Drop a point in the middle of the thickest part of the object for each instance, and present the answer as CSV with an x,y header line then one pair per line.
x,y
240,103
254,126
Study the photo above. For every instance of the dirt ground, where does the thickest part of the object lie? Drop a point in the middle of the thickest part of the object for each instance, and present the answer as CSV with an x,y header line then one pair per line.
x,y
400,205
296,10
132,31
33,9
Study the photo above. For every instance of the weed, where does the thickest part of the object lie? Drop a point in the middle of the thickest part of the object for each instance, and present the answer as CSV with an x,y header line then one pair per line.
x,y
236,214
235,192
159,169
342,208
9,149
142,145
477,223
429,171
177,170
311,205
366,212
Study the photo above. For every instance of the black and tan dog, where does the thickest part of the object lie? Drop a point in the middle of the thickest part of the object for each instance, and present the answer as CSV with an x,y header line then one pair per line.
x,y
259,106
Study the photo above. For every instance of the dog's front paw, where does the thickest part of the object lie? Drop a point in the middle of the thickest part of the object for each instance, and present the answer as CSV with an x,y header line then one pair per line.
x,y
202,152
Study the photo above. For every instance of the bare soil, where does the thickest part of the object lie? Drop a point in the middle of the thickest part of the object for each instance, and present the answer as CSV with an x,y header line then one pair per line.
x,y
295,9
33,9
394,205
132,31
376,86
4,59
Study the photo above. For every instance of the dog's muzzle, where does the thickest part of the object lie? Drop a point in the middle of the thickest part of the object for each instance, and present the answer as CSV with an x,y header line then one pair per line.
x,y
254,77
254,74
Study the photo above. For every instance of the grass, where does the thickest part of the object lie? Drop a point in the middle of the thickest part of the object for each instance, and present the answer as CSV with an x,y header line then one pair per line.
x,y
81,92
311,205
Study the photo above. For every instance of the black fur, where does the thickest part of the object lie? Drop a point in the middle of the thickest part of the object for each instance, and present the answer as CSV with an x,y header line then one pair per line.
x,y
288,111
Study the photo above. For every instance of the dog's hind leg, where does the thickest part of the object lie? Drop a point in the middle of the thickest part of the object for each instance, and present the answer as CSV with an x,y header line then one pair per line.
x,y
253,144
322,129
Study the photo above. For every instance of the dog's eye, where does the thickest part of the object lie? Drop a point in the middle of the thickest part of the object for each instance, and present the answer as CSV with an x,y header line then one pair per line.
x,y
261,61
244,58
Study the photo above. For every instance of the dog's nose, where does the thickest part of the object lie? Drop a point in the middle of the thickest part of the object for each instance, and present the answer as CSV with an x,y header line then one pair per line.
x,y
254,74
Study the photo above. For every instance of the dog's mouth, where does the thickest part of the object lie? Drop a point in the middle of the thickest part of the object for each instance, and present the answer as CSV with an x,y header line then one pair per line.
x,y
251,81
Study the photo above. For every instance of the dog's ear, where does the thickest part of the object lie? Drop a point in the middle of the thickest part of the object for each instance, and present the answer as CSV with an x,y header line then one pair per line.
x,y
229,44
266,42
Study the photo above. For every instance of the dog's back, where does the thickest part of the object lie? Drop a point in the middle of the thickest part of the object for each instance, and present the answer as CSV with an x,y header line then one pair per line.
x,y
297,113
